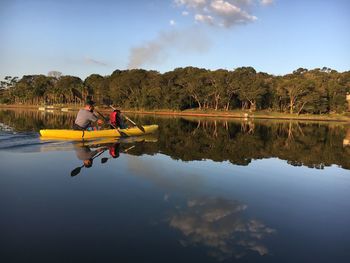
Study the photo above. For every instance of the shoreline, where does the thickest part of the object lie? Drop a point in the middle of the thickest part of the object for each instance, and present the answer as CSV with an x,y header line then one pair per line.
x,y
241,115
237,114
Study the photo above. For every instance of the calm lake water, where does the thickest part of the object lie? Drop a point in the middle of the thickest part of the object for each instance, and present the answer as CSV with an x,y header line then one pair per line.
x,y
198,190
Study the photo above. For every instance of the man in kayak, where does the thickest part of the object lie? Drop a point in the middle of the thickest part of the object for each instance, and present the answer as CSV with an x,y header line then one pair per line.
x,y
86,117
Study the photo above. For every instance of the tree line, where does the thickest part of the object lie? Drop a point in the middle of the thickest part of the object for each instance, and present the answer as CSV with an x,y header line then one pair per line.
x,y
317,91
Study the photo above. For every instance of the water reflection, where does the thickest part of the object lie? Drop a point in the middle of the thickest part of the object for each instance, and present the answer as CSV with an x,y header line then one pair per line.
x,y
33,120
88,151
149,195
242,142
346,141
85,154
238,142
219,225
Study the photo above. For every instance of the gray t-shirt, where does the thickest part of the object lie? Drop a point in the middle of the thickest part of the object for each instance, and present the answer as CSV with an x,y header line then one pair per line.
x,y
84,118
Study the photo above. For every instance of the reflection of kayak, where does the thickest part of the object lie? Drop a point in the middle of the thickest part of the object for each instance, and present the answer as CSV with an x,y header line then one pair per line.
x,y
111,140
57,144
72,134
45,144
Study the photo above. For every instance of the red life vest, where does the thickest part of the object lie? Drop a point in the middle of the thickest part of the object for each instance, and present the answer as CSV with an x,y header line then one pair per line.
x,y
113,118
114,150
116,119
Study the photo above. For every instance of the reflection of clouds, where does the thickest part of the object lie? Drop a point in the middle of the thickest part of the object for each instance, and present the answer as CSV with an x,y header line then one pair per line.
x,y
215,223
218,224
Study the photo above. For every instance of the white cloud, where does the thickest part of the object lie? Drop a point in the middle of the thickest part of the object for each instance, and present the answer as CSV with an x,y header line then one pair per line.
x,y
172,22
225,13
185,13
266,2
205,19
230,13
224,8
191,3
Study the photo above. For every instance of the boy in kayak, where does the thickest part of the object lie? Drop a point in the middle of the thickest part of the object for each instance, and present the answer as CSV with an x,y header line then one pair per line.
x,y
86,117
116,119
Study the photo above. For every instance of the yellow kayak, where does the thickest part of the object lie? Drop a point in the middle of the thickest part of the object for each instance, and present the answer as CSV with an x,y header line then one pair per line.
x,y
73,134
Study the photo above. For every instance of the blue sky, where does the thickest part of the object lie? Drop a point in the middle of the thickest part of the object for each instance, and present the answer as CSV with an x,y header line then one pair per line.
x,y
84,37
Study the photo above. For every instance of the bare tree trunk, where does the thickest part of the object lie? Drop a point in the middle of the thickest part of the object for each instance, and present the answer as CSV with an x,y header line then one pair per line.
x,y
197,100
291,104
301,108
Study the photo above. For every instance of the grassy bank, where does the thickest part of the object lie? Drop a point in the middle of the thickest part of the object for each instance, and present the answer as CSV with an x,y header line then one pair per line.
x,y
211,113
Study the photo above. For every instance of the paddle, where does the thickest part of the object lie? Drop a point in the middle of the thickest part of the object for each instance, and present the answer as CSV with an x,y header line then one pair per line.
x,y
126,117
105,159
77,170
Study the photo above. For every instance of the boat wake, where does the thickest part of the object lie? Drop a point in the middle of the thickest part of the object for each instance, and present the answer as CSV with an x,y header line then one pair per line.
x,y
20,141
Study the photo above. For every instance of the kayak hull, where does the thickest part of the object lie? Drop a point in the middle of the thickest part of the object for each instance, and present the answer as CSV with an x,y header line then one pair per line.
x,y
74,134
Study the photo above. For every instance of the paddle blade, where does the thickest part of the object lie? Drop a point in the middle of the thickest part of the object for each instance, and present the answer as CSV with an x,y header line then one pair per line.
x,y
75,172
104,160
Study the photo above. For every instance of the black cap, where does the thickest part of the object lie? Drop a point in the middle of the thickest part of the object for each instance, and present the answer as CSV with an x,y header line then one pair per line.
x,y
90,102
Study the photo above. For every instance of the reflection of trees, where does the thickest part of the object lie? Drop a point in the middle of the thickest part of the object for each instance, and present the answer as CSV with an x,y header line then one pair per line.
x,y
312,144
32,120
248,127
219,225
346,141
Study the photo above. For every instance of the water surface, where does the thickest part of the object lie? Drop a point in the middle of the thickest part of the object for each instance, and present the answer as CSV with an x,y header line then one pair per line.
x,y
199,190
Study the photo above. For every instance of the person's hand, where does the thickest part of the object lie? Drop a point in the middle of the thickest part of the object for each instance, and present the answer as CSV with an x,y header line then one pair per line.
x,y
99,122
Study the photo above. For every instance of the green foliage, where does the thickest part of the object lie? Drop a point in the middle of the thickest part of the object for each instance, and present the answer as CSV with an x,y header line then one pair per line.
x,y
317,91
